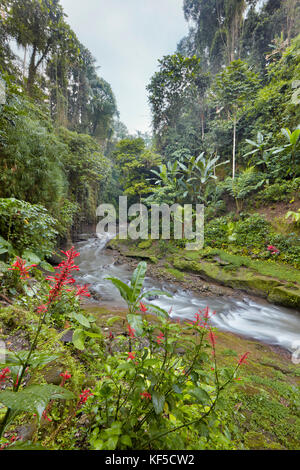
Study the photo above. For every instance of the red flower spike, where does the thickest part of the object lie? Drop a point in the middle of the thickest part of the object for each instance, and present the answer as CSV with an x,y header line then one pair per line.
x,y
212,338
243,358
65,375
63,277
3,374
131,331
82,291
159,338
131,355
143,308
20,265
85,394
146,395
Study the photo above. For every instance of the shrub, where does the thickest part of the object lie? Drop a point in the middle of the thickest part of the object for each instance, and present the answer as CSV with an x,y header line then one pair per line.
x,y
27,227
253,230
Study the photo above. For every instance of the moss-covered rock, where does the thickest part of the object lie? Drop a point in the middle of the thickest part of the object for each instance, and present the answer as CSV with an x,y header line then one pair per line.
x,y
284,296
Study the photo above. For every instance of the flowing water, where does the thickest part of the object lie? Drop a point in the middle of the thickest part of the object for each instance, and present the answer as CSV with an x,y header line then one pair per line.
x,y
265,322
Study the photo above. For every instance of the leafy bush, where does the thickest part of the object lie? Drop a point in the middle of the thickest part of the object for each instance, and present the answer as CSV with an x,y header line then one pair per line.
x,y
27,227
253,230
216,231
279,191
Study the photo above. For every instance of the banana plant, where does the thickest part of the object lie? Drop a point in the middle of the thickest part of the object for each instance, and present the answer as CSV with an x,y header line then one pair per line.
x,y
197,172
293,139
133,295
260,150
167,174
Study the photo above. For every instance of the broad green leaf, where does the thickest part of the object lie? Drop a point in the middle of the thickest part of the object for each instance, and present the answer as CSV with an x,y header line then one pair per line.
x,y
90,334
37,359
159,311
31,257
137,280
155,292
126,440
82,320
78,339
124,289
158,400
200,395
47,266
35,398
113,320
136,322
26,446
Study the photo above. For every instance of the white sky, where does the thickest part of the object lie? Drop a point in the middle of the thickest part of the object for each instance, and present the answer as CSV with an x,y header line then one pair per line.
x,y
127,37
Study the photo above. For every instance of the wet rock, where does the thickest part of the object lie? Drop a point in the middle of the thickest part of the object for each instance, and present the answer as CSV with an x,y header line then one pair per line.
x,y
52,376
152,297
26,432
67,337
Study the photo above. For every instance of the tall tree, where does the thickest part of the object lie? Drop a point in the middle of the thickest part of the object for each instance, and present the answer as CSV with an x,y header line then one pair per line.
x,y
232,89
173,90
38,24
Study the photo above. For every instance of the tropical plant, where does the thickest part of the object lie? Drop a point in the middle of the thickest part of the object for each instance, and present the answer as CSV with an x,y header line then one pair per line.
x,y
133,295
197,171
295,216
293,138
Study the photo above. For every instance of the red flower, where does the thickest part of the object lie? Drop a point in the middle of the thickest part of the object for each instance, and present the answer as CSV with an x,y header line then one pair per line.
x,y
46,417
212,338
3,374
65,376
242,359
146,395
143,307
42,308
273,249
20,265
131,331
63,276
131,356
82,291
159,338
85,394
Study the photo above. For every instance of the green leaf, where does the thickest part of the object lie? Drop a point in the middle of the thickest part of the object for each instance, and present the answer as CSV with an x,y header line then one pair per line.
x,y
78,339
126,440
37,359
82,320
200,395
35,398
155,292
136,322
31,257
159,311
47,266
26,446
112,320
124,289
158,400
137,280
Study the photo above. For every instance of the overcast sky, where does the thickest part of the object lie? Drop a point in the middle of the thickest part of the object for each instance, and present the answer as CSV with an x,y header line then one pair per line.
x,y
127,37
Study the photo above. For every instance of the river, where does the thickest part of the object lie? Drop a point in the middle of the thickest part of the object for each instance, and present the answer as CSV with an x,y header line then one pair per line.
x,y
265,322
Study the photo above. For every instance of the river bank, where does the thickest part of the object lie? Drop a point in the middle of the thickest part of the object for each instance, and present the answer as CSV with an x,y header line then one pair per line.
x,y
222,272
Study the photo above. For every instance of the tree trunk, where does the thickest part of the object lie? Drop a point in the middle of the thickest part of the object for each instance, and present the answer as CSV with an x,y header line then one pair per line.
x,y
234,147
31,72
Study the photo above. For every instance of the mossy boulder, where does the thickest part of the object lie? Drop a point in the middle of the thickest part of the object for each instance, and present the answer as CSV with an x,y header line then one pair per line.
x,y
284,296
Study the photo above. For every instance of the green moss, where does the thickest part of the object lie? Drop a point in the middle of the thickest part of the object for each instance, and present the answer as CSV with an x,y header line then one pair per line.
x,y
256,440
145,244
283,296
175,273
